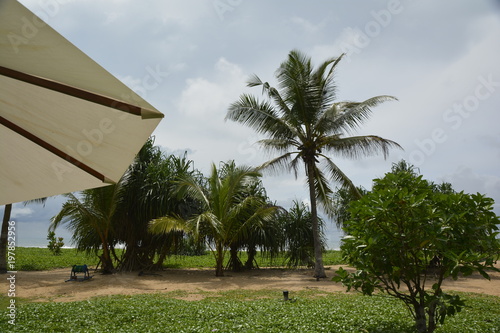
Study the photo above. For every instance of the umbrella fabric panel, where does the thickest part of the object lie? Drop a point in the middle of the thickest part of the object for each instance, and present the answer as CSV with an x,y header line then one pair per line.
x,y
66,124
97,136
29,45
28,172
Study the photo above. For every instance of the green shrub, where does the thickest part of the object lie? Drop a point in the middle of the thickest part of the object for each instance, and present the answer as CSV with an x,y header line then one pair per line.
x,y
55,244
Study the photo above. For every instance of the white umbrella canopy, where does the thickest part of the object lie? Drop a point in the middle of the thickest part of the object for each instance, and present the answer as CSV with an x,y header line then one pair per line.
x,y
66,124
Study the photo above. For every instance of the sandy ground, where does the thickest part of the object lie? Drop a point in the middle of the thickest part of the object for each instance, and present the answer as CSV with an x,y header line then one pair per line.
x,y
51,285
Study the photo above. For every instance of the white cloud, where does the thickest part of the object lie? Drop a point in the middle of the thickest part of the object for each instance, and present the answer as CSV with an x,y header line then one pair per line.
x,y
18,211
306,25
204,97
113,17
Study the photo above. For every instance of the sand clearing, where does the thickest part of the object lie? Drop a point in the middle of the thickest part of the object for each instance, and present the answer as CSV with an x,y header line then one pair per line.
x,y
51,286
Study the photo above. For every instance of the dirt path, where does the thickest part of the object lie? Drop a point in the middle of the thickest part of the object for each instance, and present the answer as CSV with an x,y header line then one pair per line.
x,y
51,285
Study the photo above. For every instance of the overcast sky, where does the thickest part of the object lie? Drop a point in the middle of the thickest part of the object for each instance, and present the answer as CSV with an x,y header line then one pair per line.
x,y
191,59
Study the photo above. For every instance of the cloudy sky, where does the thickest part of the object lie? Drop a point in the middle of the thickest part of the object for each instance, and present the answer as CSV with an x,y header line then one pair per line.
x,y
191,59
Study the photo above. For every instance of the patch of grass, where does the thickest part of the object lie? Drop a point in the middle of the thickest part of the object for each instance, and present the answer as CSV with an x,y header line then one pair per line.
x,y
207,260
332,257
38,259
246,311
227,311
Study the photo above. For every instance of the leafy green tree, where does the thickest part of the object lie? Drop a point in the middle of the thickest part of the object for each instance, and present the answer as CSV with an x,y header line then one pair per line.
x,y
266,237
55,243
228,212
260,235
341,199
304,124
408,234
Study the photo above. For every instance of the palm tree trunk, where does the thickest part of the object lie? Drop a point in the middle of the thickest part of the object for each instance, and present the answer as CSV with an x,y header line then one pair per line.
x,y
107,262
319,269
251,252
3,238
219,269
235,263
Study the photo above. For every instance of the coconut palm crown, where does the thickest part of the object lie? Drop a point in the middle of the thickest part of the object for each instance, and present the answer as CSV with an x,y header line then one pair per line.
x,y
303,123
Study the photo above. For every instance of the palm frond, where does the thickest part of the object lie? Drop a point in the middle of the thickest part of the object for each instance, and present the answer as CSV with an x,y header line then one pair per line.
x,y
168,224
36,201
209,220
360,146
277,164
339,177
296,88
260,215
189,187
254,81
260,116
277,145
351,115
321,186
326,82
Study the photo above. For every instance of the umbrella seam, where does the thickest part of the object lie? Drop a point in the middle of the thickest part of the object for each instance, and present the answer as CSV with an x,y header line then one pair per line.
x,y
78,93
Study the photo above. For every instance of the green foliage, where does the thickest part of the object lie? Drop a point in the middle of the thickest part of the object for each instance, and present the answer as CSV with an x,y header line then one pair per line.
x,y
297,229
242,311
341,200
229,210
408,230
103,217
38,259
150,193
304,124
55,244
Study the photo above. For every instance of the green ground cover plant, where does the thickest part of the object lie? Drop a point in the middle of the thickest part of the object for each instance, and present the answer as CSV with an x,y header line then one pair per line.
x,y
37,259
227,311
243,311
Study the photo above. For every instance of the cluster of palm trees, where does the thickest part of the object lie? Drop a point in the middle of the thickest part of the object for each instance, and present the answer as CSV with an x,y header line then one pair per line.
x,y
118,215
161,201
162,205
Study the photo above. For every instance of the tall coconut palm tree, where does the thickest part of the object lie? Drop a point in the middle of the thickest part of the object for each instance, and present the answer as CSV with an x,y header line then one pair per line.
x,y
303,123
228,211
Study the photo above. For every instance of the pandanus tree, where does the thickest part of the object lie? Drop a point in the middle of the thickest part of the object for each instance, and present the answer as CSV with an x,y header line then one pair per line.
x,y
149,194
298,238
228,211
305,125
